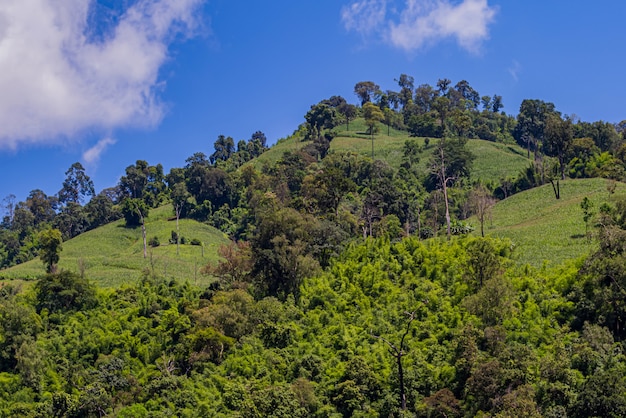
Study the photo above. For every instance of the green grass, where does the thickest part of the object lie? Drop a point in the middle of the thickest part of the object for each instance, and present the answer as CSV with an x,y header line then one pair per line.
x,y
113,254
546,230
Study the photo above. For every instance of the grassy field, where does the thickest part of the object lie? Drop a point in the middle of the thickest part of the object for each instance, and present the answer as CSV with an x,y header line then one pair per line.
x,y
545,230
113,254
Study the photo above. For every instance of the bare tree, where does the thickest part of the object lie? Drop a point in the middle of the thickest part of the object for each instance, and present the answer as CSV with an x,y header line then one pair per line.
x,y
481,202
399,351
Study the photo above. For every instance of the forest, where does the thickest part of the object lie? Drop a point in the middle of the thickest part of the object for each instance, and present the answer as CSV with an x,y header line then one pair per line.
x,y
358,274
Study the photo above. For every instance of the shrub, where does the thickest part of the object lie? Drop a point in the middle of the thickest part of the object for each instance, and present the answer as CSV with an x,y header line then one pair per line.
x,y
154,242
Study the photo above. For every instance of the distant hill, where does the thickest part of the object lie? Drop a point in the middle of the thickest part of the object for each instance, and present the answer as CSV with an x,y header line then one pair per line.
x,y
544,229
113,254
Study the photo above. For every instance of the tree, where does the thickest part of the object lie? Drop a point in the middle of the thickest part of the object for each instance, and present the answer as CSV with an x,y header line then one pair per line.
x,y
77,185
558,139
406,83
372,115
50,241
179,196
9,207
135,212
441,105
364,90
496,103
132,184
587,206
399,351
442,85
348,111
320,116
531,121
481,202
450,161
64,291
224,148
42,206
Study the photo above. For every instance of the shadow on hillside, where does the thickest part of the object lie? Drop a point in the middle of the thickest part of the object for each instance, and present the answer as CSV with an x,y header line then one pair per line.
x,y
517,151
578,236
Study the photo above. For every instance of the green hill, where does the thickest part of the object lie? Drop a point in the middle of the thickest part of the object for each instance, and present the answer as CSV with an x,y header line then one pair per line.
x,y
493,160
113,254
544,229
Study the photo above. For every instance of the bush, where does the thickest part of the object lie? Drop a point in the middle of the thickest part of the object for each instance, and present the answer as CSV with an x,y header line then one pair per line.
x,y
154,242
195,241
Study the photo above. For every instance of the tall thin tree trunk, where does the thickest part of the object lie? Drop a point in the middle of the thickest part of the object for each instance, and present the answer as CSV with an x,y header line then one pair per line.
x,y
143,233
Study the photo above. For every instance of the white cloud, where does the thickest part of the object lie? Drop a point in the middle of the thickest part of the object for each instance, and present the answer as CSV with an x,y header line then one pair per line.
x,y
515,69
420,23
57,79
92,155
364,16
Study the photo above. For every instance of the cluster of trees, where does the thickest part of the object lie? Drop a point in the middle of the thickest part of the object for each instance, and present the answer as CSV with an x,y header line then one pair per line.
x,y
413,328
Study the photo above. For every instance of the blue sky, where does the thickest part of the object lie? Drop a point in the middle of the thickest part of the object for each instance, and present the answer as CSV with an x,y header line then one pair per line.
x,y
111,81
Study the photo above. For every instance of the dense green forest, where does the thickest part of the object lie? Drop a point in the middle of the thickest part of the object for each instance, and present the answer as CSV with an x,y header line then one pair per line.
x,y
352,269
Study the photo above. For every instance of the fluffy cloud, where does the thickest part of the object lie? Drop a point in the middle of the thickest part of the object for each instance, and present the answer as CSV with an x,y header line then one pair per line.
x,y
419,23
64,70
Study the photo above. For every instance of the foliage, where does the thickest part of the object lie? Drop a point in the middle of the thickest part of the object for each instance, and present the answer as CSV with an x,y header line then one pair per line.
x,y
51,242
64,291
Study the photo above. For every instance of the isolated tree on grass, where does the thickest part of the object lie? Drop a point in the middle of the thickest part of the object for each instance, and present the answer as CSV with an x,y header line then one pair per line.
x,y
348,111
372,115
50,241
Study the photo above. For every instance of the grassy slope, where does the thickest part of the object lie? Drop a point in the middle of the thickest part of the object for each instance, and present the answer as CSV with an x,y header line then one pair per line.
x,y
493,160
544,229
113,254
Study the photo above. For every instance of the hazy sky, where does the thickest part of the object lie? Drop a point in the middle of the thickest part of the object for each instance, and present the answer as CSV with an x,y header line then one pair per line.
x,y
109,82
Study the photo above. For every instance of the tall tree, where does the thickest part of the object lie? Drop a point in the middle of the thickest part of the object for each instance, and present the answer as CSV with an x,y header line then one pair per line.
x,y
372,115
179,195
9,207
407,84
558,139
365,90
77,185
348,111
531,121
224,148
50,241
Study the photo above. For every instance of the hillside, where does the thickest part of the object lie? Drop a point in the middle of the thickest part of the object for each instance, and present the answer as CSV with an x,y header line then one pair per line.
x,y
544,229
493,162
112,254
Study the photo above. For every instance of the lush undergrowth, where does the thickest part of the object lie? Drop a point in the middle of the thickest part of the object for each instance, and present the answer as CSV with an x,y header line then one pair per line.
x,y
112,255
477,337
